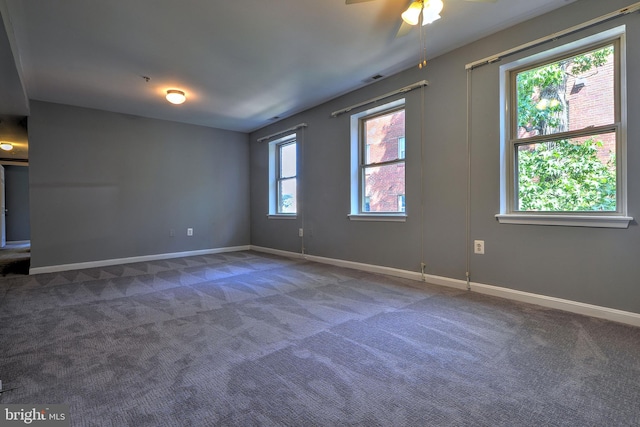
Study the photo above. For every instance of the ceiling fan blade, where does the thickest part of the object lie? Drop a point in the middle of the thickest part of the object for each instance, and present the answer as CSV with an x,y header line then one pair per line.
x,y
356,1
404,29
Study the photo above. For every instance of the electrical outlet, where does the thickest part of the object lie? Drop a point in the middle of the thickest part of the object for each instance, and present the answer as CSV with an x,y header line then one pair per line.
x,y
478,247
172,232
300,232
189,231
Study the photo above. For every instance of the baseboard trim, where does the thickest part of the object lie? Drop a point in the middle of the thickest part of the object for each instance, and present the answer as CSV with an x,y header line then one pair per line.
x,y
18,242
279,252
144,258
396,272
600,312
591,310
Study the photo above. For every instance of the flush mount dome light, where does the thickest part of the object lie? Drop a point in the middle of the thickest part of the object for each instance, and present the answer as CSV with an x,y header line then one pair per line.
x,y
175,96
6,146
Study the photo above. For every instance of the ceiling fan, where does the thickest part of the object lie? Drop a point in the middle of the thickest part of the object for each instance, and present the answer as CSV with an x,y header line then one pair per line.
x,y
429,9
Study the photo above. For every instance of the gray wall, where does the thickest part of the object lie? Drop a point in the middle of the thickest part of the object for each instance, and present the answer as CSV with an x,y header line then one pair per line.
x,y
16,179
106,186
596,266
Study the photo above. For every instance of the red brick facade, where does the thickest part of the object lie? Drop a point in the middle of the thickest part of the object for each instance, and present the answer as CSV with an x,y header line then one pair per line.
x,y
591,100
384,185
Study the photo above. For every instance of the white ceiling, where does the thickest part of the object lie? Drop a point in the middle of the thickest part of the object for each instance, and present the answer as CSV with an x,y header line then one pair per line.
x,y
240,62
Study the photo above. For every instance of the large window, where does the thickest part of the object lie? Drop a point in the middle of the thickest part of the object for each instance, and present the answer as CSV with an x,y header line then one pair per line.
x,y
379,161
564,138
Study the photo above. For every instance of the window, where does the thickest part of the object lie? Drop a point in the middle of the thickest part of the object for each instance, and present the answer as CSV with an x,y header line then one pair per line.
x,y
378,162
283,177
563,142
286,179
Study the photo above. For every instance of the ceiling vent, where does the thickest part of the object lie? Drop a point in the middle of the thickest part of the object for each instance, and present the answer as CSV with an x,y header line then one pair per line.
x,y
373,78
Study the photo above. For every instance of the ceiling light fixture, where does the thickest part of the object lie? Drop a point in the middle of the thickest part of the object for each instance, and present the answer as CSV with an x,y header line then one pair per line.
x,y
412,15
6,146
175,96
430,12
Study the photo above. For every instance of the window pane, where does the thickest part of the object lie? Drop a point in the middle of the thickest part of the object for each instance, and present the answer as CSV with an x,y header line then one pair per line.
x,y
570,94
382,185
382,134
287,196
567,175
288,160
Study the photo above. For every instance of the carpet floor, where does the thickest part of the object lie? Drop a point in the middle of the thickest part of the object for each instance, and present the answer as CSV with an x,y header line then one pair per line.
x,y
250,339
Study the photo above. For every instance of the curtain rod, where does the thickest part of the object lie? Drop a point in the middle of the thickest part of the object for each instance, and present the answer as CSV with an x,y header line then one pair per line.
x,y
378,98
282,132
599,20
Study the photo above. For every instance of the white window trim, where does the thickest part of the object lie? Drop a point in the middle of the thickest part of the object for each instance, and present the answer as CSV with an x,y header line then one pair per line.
x,y
382,217
507,215
282,216
273,181
597,221
356,214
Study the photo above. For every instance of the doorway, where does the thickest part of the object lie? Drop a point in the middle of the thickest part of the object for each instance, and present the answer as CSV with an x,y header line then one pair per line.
x,y
15,233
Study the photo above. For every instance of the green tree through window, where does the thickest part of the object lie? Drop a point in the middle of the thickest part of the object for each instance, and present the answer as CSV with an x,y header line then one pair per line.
x,y
574,168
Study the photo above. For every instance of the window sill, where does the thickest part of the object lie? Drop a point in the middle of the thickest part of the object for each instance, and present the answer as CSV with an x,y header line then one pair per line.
x,y
282,216
598,221
378,217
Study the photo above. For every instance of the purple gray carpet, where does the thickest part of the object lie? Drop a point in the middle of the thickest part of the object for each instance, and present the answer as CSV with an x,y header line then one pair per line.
x,y
248,339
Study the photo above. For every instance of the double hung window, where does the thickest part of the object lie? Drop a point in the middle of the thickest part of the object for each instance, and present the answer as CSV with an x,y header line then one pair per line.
x,y
564,139
283,178
286,180
379,186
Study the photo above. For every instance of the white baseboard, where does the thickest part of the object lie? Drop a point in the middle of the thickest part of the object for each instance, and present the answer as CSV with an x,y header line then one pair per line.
x,y
446,281
144,258
600,312
389,271
278,252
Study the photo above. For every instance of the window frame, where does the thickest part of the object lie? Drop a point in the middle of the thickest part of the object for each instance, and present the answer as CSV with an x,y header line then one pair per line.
x,y
358,165
509,214
275,176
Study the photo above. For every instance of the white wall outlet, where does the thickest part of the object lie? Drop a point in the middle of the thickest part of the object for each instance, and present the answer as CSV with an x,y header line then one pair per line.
x,y
300,232
478,247
189,231
172,232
